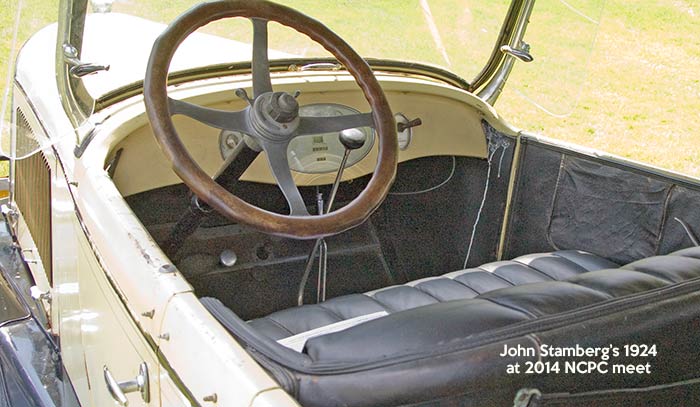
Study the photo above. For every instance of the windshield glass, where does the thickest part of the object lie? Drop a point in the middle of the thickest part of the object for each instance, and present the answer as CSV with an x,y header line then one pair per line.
x,y
457,35
561,35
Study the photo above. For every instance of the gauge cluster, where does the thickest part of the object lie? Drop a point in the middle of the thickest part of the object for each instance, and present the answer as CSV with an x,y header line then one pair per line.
x,y
317,153
321,153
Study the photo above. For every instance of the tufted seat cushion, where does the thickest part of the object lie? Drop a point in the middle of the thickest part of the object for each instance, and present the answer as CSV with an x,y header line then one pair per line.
x,y
457,285
438,341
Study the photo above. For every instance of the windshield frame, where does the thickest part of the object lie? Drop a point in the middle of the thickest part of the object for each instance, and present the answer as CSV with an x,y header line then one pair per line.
x,y
76,101
79,104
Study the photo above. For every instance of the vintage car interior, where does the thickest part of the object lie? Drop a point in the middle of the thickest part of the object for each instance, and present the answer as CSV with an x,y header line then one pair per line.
x,y
372,236
486,236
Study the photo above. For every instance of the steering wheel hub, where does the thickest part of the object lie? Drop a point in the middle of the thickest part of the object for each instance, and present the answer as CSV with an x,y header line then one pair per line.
x,y
275,116
283,107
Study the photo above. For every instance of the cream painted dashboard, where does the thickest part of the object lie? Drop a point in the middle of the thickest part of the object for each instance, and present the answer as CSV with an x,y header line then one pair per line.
x,y
451,126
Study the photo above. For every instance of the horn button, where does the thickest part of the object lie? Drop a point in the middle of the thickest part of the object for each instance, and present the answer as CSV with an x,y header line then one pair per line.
x,y
275,116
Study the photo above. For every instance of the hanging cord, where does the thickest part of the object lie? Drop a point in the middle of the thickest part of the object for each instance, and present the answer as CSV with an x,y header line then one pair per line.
x,y
688,231
494,146
434,187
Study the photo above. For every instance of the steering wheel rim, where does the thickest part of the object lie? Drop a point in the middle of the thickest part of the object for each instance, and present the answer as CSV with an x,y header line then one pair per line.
x,y
227,204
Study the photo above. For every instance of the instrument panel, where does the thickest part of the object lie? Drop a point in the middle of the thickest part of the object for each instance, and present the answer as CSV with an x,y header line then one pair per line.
x,y
452,125
317,153
321,153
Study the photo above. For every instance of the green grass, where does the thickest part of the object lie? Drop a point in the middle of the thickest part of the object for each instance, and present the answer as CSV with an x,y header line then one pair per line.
x,y
35,15
641,94
636,93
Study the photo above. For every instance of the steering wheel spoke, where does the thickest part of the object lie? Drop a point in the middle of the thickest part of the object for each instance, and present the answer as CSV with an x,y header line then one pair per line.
x,y
318,125
277,158
271,119
260,63
221,119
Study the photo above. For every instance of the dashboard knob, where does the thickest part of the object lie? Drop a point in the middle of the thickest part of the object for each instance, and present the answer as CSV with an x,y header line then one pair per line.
x,y
352,139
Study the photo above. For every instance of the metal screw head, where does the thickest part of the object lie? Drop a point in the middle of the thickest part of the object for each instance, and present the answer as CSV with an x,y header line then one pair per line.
x,y
212,398
70,51
228,258
167,268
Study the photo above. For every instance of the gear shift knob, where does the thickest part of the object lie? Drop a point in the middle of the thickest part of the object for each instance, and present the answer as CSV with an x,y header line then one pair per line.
x,y
352,139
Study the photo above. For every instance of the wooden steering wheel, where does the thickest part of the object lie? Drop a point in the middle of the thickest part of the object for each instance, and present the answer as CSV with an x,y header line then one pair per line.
x,y
272,120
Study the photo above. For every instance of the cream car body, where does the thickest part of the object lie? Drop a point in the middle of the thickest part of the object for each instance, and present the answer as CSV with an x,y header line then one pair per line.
x,y
117,301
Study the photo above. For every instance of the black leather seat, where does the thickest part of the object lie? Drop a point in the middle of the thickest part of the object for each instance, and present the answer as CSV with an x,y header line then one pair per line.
x,y
458,285
439,339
